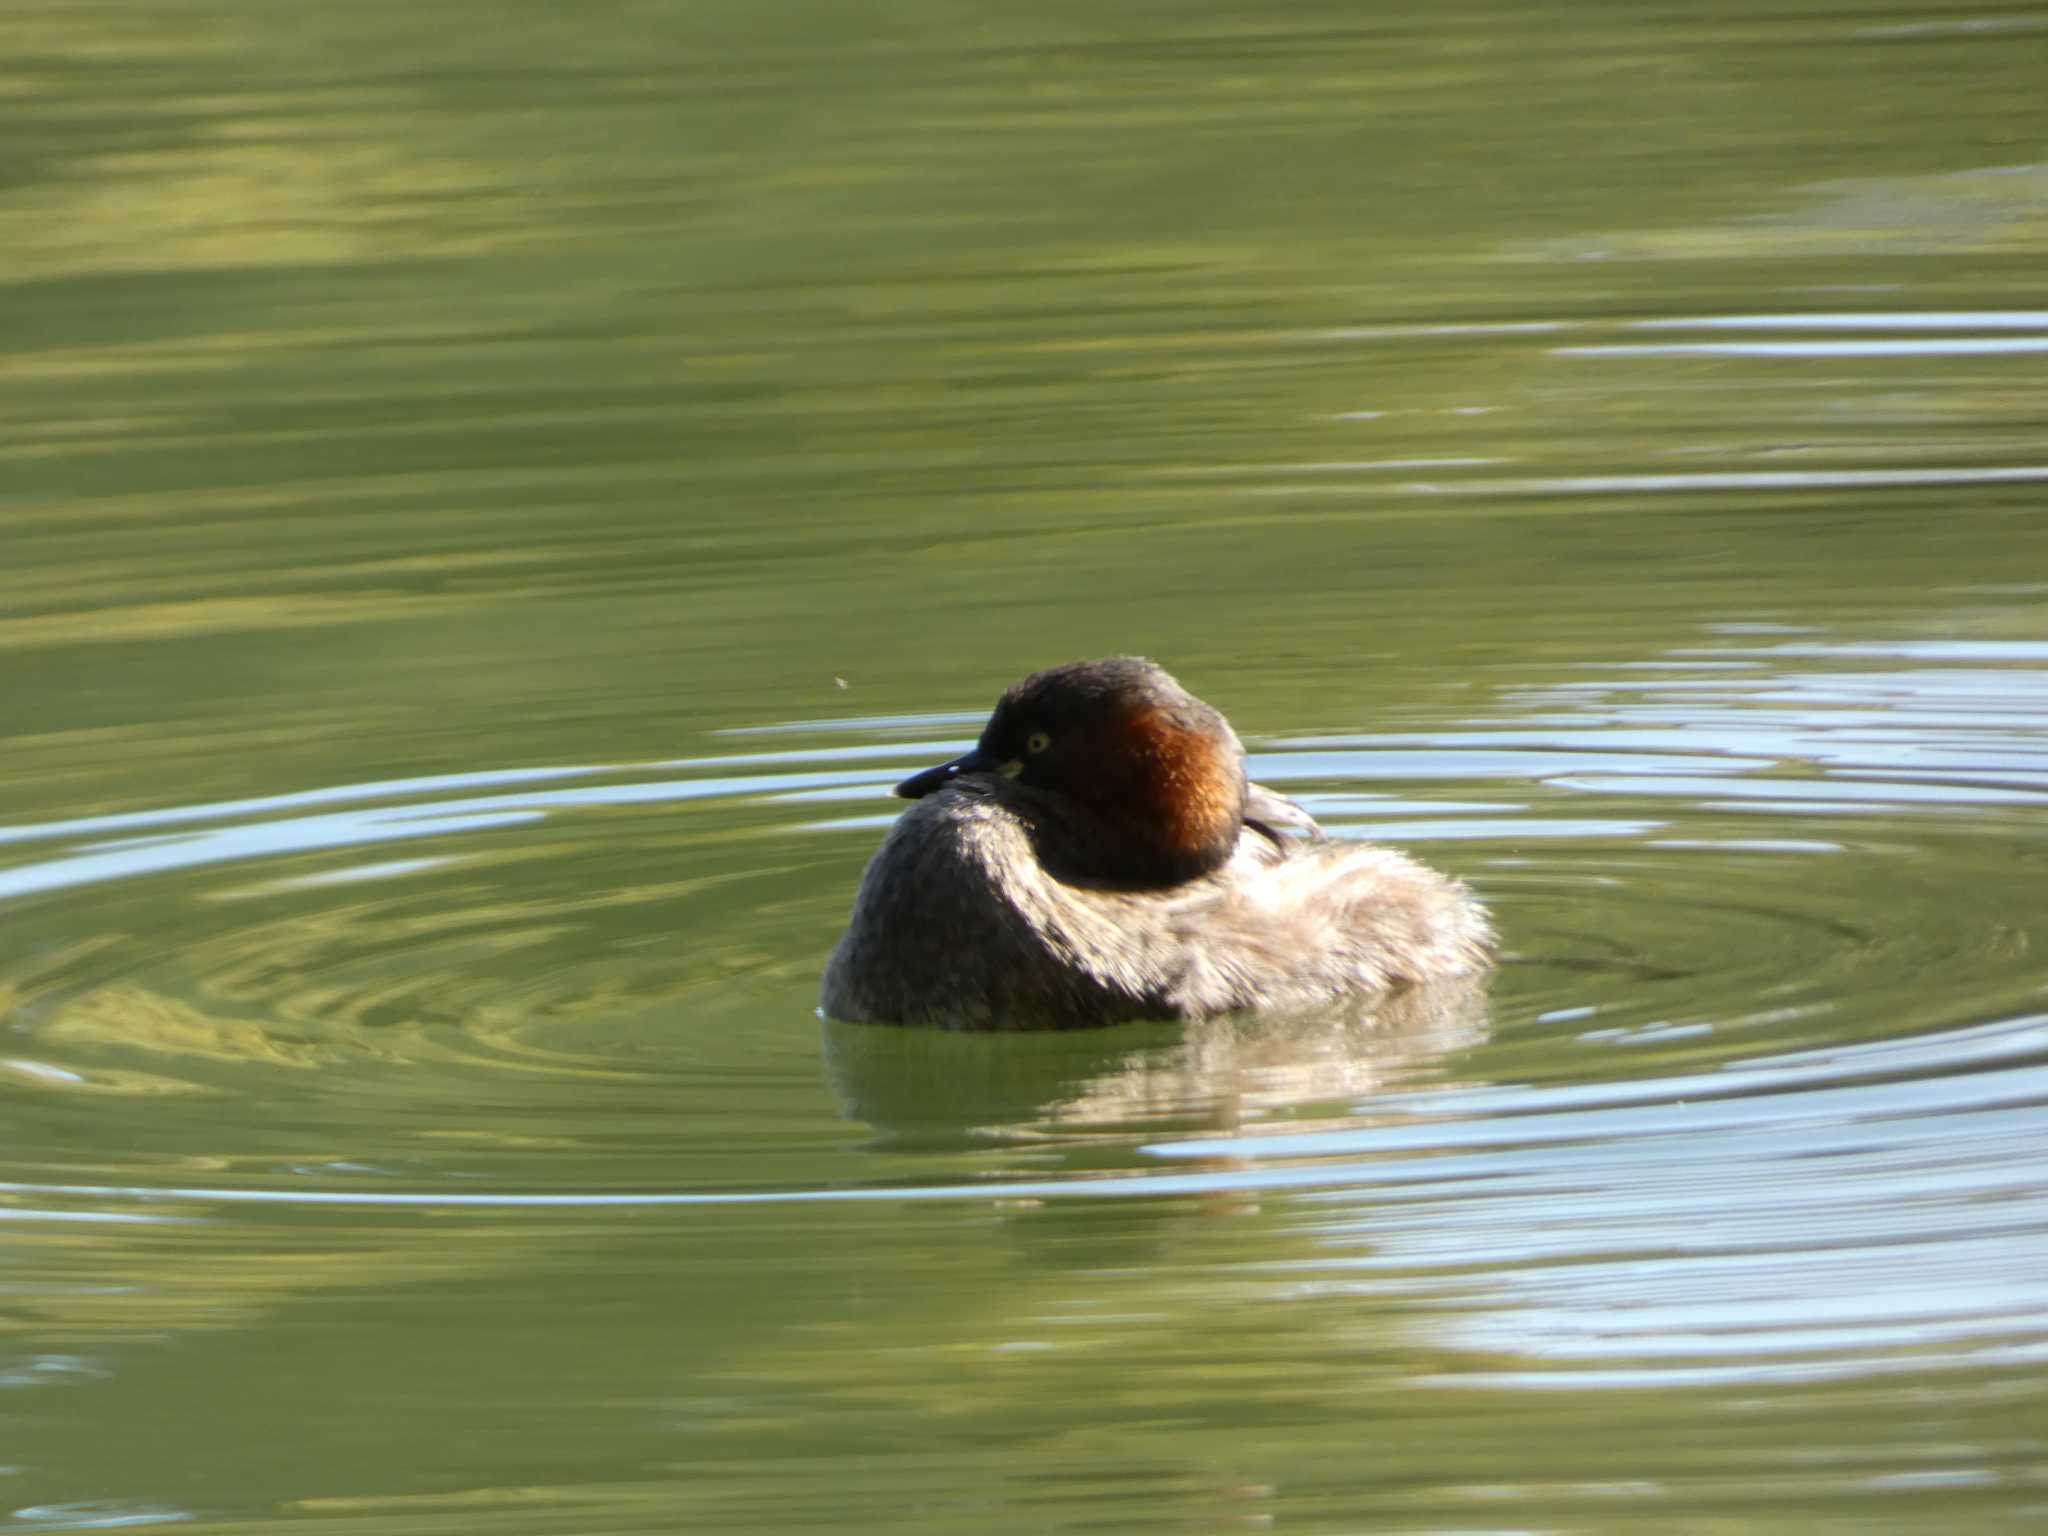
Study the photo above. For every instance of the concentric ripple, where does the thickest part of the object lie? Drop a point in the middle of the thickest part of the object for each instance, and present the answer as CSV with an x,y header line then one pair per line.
x,y
1682,857
1755,1100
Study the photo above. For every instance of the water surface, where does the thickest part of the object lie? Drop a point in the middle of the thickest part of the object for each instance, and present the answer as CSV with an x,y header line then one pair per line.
x,y
492,496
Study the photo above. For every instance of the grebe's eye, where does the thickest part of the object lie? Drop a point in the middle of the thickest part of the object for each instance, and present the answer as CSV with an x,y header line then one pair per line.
x,y
1037,741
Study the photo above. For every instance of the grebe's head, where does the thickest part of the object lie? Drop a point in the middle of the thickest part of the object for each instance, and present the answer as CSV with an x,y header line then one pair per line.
x,y
1158,774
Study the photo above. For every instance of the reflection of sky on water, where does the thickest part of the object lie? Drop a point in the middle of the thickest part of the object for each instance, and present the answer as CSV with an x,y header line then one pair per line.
x,y
1940,320
380,824
1957,346
1944,734
1642,485
1813,1214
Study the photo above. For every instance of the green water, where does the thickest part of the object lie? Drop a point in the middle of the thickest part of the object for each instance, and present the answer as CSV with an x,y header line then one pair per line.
x,y
490,496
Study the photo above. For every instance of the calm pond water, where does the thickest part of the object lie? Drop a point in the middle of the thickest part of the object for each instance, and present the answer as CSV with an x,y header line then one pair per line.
x,y
491,496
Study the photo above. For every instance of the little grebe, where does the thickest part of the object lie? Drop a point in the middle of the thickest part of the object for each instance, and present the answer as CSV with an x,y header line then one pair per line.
x,y
1099,856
